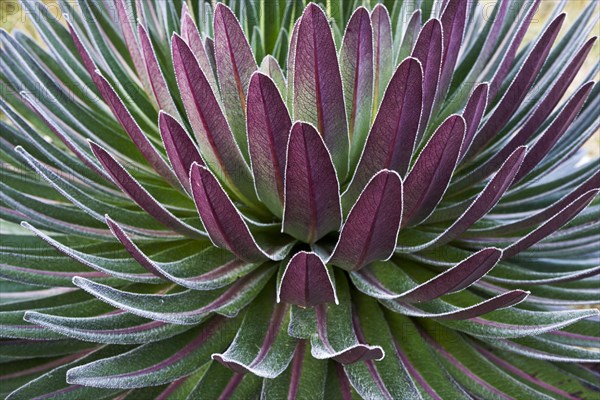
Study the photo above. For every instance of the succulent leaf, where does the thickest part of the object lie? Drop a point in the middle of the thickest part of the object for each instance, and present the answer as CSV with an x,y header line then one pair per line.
x,y
285,199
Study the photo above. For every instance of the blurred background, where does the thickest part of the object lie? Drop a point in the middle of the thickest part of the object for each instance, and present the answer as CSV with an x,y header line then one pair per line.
x,y
12,17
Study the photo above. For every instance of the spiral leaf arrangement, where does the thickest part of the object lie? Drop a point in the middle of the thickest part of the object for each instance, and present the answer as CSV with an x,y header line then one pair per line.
x,y
393,205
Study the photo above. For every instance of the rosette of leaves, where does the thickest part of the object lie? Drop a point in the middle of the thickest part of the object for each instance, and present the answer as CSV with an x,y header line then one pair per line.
x,y
279,201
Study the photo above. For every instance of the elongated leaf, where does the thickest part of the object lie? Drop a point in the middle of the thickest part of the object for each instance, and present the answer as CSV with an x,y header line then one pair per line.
x,y
268,124
552,225
189,307
157,81
306,282
312,202
554,132
217,145
428,50
103,328
429,177
473,114
371,230
235,65
156,363
134,131
318,93
140,195
518,89
392,138
356,63
212,268
454,19
265,325
181,149
380,280
484,202
382,53
191,35
223,222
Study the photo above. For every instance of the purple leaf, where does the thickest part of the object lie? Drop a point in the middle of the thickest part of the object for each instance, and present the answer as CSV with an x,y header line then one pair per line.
x,y
312,201
509,57
223,222
191,35
268,124
318,94
547,213
473,113
215,272
487,199
157,79
371,230
138,194
134,131
356,63
125,22
453,20
235,65
181,149
382,53
555,131
427,181
428,50
391,140
291,57
306,282
122,114
504,300
217,145
457,278
551,226
518,89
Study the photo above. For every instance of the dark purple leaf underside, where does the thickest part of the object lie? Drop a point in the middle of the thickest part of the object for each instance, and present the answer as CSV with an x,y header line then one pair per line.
x,y
544,215
509,57
371,230
191,35
488,197
318,93
453,20
391,141
157,80
457,278
551,226
428,50
180,147
473,113
138,194
427,181
122,114
555,131
216,143
518,89
235,65
504,300
125,22
356,63
312,202
268,124
306,282
222,220
382,53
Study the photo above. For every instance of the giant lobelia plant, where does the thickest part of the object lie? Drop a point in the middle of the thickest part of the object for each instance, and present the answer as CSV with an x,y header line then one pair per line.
x,y
402,211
